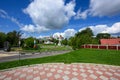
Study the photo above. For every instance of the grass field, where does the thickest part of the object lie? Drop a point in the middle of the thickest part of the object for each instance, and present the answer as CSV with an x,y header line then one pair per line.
x,y
111,57
45,48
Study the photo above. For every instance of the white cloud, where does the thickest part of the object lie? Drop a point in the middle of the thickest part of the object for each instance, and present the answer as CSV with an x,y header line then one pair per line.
x,y
33,28
40,28
28,28
69,9
81,15
98,28
69,32
105,7
100,8
50,14
25,35
82,29
114,29
38,37
66,34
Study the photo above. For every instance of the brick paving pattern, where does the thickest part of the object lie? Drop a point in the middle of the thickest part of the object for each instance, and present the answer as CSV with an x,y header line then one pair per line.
x,y
60,71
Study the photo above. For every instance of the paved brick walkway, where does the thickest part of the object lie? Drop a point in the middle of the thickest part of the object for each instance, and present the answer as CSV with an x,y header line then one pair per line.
x,y
59,71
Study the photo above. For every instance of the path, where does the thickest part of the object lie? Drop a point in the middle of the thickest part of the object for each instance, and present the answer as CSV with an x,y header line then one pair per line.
x,y
30,55
60,71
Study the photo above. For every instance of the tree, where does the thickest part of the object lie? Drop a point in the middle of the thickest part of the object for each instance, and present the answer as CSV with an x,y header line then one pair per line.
x,y
13,37
55,41
65,41
2,39
29,42
87,31
103,36
83,37
95,41
72,42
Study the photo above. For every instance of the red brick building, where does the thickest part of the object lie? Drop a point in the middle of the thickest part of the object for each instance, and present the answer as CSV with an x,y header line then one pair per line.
x,y
115,41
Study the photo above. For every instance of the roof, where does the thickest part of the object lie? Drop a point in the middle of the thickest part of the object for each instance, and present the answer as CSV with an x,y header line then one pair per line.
x,y
110,41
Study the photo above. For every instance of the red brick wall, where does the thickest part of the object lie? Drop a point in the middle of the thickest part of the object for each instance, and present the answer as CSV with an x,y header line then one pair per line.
x,y
113,47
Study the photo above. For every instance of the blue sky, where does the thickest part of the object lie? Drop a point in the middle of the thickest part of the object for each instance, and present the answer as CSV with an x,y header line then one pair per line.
x,y
61,17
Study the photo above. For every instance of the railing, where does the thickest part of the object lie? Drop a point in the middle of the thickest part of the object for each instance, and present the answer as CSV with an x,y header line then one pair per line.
x,y
113,47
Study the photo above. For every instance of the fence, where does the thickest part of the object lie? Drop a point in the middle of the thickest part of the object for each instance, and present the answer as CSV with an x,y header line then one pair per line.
x,y
113,47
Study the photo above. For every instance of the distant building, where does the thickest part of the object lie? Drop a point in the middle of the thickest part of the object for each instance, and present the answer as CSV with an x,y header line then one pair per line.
x,y
115,41
47,40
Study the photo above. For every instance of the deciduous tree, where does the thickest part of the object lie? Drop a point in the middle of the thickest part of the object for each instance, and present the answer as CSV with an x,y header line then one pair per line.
x,y
2,39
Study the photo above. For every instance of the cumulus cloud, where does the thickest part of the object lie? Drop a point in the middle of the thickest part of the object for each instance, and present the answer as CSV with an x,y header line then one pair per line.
x,y
98,28
28,28
114,29
66,34
33,28
48,14
100,8
105,7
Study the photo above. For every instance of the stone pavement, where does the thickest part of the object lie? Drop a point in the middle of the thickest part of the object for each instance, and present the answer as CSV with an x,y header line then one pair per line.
x,y
60,71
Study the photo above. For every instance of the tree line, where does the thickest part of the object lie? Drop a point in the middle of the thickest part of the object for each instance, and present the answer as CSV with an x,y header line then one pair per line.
x,y
85,37
12,37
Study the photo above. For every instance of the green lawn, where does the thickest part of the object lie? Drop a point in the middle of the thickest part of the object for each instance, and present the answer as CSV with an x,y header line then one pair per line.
x,y
111,57
44,48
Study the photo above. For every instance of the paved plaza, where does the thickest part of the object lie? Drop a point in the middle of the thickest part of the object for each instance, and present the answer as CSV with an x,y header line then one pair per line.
x,y
60,71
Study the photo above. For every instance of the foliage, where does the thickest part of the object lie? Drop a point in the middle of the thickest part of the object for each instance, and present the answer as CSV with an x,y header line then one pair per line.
x,y
47,48
87,31
80,38
65,41
29,43
95,41
13,37
72,42
103,35
2,39
111,57
55,41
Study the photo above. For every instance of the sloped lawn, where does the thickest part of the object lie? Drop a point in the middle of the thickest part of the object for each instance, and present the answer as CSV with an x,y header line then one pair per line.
x,y
111,57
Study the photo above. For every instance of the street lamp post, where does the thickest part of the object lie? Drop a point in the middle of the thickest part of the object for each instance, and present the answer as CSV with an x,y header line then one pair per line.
x,y
19,49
